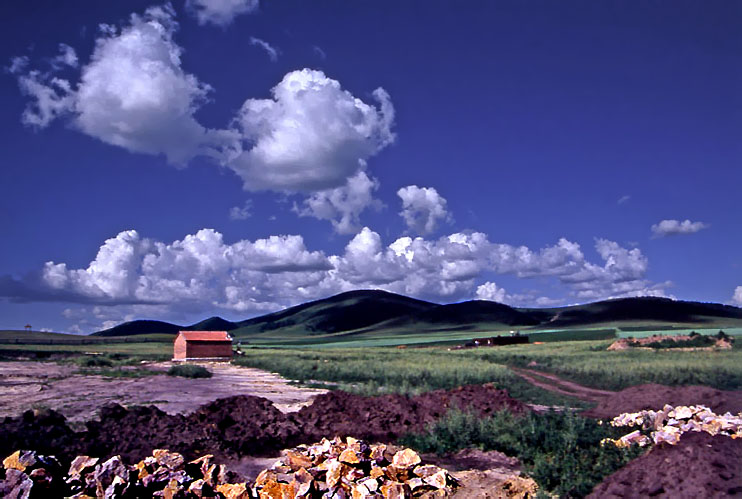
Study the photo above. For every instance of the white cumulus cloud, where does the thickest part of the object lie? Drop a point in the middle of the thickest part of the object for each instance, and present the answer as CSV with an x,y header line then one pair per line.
x,y
220,12
737,297
343,205
422,208
676,227
490,291
202,272
133,93
312,135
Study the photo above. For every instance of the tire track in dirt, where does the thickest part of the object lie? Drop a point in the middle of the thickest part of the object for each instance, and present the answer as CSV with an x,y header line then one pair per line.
x,y
555,384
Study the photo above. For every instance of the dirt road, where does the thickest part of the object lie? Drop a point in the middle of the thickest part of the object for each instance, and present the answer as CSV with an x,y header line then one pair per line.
x,y
555,384
32,385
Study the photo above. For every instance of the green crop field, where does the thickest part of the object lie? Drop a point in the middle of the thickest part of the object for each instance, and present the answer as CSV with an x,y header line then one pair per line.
x,y
379,370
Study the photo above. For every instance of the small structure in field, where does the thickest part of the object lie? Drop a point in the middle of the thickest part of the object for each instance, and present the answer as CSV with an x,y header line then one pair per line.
x,y
27,327
202,345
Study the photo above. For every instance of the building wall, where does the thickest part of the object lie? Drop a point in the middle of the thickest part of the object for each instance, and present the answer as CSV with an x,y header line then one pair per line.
x,y
179,348
208,349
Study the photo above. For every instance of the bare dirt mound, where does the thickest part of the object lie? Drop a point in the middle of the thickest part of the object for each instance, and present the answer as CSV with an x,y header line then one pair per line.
x,y
243,425
653,396
387,417
698,466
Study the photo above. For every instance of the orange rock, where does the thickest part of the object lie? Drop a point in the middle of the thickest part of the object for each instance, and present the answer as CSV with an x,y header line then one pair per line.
x,y
20,460
406,458
426,470
437,480
234,490
335,472
349,456
395,490
296,460
264,477
376,472
276,490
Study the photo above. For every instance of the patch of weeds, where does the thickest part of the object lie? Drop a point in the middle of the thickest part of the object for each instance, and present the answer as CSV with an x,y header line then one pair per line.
x,y
560,451
189,371
93,361
118,373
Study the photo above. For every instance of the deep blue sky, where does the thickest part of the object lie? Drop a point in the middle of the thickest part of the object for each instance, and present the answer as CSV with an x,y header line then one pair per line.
x,y
534,121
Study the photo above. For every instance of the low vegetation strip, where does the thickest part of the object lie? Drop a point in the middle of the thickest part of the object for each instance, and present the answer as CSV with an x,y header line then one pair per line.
x,y
560,451
385,370
588,363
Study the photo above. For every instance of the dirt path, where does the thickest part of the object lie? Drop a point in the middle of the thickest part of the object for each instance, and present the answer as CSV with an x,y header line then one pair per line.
x,y
32,385
555,384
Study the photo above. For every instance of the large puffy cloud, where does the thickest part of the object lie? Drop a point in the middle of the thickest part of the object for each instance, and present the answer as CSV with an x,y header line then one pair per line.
x,y
133,93
312,135
343,205
422,208
676,227
737,297
220,12
202,273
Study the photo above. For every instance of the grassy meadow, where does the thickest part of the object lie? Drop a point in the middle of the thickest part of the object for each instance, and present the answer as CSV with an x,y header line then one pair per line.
x,y
410,370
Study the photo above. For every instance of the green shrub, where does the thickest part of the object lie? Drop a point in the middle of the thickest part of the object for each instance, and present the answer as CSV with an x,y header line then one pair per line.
x,y
93,361
189,371
696,341
560,451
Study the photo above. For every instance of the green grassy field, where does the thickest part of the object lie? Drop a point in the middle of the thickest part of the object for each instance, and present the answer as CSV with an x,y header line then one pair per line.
x,y
419,369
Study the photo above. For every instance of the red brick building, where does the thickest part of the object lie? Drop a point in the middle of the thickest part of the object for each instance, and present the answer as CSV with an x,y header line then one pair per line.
x,y
202,345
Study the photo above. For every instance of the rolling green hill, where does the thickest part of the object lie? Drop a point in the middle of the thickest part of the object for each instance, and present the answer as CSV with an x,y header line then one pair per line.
x,y
372,316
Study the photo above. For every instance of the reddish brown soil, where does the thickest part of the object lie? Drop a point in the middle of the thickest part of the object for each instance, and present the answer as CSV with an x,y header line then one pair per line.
x,y
652,396
699,466
242,425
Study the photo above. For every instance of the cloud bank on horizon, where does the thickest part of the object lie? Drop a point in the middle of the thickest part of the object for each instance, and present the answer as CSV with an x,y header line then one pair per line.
x,y
313,142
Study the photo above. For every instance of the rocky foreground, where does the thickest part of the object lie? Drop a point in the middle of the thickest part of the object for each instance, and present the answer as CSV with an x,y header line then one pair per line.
x,y
338,469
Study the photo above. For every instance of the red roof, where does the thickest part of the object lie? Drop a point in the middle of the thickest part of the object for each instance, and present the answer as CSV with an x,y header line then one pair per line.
x,y
206,336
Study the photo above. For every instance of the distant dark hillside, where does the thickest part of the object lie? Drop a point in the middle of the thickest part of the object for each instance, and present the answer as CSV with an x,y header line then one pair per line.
x,y
470,312
343,312
378,311
151,327
140,327
643,309
212,324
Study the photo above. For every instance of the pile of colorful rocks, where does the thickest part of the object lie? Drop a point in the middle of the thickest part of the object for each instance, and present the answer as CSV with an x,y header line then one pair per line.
x,y
331,469
164,474
668,424
353,469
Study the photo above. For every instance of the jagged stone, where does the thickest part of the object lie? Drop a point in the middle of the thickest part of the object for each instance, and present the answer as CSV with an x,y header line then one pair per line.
x,y
20,460
171,460
82,465
234,490
17,484
406,458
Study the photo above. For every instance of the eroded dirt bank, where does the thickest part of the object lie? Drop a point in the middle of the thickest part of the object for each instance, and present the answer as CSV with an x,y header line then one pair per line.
x,y
243,425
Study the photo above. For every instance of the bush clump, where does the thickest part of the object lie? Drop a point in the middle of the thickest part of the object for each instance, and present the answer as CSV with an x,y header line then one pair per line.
x,y
560,451
93,361
189,371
